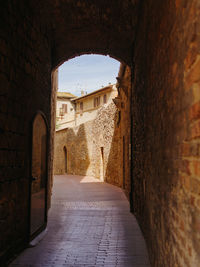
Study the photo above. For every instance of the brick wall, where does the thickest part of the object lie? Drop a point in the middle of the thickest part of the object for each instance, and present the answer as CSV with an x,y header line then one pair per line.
x,y
165,107
166,130
25,88
124,85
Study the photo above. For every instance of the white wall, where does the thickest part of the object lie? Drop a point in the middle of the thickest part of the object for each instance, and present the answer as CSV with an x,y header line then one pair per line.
x,y
68,119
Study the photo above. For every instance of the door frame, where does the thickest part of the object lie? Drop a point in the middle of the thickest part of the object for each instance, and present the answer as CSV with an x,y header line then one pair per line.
x,y
102,164
31,237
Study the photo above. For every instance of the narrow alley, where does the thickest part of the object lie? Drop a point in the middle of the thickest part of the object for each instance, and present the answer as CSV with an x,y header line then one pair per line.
x,y
89,225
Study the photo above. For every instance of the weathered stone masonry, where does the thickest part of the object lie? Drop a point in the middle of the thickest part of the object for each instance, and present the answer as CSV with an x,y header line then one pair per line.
x,y
160,41
100,147
85,145
25,87
166,131
123,105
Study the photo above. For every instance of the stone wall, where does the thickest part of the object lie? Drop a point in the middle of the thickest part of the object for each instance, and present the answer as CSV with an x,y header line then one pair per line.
x,y
25,88
124,96
161,42
166,130
93,148
101,147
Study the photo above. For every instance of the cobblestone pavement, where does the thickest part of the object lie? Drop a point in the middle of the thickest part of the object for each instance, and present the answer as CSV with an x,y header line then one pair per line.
x,y
89,225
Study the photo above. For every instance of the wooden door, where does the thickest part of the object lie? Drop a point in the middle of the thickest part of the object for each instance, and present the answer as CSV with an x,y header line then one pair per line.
x,y
39,175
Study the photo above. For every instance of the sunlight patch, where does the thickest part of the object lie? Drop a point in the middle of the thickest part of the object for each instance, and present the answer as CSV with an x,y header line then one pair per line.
x,y
90,179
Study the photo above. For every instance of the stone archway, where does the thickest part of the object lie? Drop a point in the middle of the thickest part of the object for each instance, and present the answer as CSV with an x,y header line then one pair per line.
x,y
92,29
162,39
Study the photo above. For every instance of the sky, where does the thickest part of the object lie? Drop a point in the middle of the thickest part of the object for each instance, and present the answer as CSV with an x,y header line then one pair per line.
x,y
87,73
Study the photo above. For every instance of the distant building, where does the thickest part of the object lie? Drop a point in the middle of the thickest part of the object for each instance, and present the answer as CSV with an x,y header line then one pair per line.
x,y
65,110
72,111
86,106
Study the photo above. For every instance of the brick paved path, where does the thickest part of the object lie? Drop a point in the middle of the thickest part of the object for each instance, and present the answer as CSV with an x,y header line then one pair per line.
x,y
89,225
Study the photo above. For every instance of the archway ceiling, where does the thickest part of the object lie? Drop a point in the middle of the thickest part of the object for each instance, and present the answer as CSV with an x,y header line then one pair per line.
x,y
92,26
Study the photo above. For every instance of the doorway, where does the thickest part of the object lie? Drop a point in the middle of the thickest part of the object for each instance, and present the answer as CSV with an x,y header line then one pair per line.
x,y
65,158
102,165
38,208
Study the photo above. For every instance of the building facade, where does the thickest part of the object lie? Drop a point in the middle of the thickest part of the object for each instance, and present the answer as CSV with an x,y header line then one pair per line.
x,y
98,144
72,111
91,146
87,105
65,110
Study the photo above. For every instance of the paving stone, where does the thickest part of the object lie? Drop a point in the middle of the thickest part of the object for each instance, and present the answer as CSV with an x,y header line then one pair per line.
x,y
89,225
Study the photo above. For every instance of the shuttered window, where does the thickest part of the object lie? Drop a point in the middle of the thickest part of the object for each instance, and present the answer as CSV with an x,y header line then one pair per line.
x,y
81,106
105,99
64,108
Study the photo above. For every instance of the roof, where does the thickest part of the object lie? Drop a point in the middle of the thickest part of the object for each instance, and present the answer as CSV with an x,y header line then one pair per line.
x,y
65,95
110,87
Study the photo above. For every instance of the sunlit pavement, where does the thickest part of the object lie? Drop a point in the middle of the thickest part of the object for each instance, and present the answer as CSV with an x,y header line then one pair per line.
x,y
89,225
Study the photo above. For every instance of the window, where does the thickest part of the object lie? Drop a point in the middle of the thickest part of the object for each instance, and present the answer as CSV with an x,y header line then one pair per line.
x,y
81,106
97,101
64,108
105,99
61,114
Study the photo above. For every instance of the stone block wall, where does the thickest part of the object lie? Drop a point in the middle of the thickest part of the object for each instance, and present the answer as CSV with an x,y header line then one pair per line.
x,y
93,148
124,85
106,132
166,130
25,88
101,147
36,36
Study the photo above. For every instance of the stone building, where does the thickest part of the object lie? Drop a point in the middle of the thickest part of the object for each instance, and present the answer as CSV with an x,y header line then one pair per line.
x,y
99,142
160,42
85,147
72,110
65,110
87,105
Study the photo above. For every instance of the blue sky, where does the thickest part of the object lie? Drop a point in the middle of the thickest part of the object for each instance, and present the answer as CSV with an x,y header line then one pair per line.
x,y
88,73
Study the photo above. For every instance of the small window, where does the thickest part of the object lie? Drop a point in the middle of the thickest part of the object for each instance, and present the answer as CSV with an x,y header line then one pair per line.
x,y
81,106
61,114
64,108
105,99
97,101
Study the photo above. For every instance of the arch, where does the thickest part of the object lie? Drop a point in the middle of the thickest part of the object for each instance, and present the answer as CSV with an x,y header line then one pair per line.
x,y
86,27
39,174
68,56
42,114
